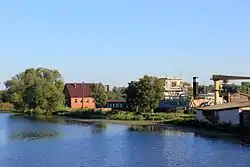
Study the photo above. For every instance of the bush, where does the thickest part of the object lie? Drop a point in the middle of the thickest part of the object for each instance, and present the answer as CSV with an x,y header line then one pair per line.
x,y
122,116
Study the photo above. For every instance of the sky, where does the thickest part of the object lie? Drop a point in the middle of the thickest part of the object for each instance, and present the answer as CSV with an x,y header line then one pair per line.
x,y
115,42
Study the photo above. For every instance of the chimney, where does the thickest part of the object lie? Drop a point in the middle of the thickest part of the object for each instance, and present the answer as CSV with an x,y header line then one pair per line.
x,y
195,87
75,85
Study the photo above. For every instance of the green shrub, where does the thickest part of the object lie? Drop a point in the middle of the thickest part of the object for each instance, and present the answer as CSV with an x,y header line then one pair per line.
x,y
122,116
160,116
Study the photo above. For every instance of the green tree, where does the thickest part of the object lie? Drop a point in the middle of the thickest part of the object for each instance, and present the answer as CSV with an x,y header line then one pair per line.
x,y
117,93
3,96
189,88
144,95
99,94
244,87
132,95
39,91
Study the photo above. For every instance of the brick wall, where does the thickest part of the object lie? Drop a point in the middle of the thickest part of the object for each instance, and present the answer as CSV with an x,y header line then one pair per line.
x,y
87,102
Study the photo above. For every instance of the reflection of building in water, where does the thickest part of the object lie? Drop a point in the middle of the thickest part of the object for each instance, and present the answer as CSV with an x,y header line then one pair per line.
x,y
174,87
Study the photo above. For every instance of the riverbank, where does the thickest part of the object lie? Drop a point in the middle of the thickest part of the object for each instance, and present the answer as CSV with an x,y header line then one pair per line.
x,y
132,122
124,115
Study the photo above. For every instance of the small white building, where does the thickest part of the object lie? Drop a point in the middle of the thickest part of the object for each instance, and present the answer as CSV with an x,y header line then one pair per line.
x,y
231,113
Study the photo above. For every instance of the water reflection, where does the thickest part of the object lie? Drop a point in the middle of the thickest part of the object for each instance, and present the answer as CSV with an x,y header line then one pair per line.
x,y
98,127
34,135
157,129
99,144
44,119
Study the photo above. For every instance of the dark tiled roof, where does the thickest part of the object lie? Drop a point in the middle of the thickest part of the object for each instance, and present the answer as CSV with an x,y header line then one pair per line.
x,y
78,90
225,106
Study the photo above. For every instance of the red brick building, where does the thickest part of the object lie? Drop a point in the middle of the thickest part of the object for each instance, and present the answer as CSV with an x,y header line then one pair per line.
x,y
78,95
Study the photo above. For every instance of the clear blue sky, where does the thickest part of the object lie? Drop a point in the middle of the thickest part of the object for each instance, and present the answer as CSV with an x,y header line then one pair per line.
x,y
115,41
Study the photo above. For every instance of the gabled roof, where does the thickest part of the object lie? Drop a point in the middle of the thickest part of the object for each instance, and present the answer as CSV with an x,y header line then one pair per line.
x,y
78,90
225,106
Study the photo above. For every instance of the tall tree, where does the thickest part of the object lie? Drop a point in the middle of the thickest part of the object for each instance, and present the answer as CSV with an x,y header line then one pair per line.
x,y
99,94
132,95
3,96
36,90
146,93
117,93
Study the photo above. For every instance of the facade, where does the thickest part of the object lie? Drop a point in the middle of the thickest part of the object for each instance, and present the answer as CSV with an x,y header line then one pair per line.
x,y
78,95
173,87
116,104
230,113
180,102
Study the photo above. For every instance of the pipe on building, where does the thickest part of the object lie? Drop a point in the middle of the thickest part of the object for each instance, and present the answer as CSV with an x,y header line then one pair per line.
x,y
195,87
216,91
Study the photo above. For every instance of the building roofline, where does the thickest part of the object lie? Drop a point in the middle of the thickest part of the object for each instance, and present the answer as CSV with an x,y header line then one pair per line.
x,y
225,106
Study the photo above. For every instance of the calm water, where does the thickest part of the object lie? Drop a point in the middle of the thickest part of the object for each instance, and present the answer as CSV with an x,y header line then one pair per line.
x,y
113,146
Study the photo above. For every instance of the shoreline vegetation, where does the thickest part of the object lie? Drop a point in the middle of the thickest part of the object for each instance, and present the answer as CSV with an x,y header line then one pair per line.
x,y
39,93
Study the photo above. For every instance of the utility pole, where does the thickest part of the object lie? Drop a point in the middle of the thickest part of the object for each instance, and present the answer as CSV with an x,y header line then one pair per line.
x,y
82,95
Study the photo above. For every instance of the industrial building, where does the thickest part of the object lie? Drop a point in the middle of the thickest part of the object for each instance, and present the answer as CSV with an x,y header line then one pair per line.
x,y
173,87
237,113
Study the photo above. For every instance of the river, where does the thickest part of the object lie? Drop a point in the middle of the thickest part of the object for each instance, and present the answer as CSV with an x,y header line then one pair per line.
x,y
84,145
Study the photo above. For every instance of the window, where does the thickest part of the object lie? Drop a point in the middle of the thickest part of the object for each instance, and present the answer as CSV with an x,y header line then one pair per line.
x,y
117,105
121,105
87,100
81,101
75,100
174,84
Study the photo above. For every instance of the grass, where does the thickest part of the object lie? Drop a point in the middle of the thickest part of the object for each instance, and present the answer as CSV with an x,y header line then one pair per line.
x,y
123,115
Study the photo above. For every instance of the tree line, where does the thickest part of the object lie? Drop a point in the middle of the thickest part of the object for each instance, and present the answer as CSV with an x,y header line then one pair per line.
x,y
40,91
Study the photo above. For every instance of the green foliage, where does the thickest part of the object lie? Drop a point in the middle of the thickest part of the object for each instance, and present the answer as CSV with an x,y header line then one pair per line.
x,y
244,87
203,89
85,114
117,93
99,94
161,116
3,96
38,91
144,95
118,90
126,116
115,96
189,88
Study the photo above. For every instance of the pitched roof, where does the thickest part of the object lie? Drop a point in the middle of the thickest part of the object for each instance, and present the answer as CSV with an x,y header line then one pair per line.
x,y
78,90
225,106
116,101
